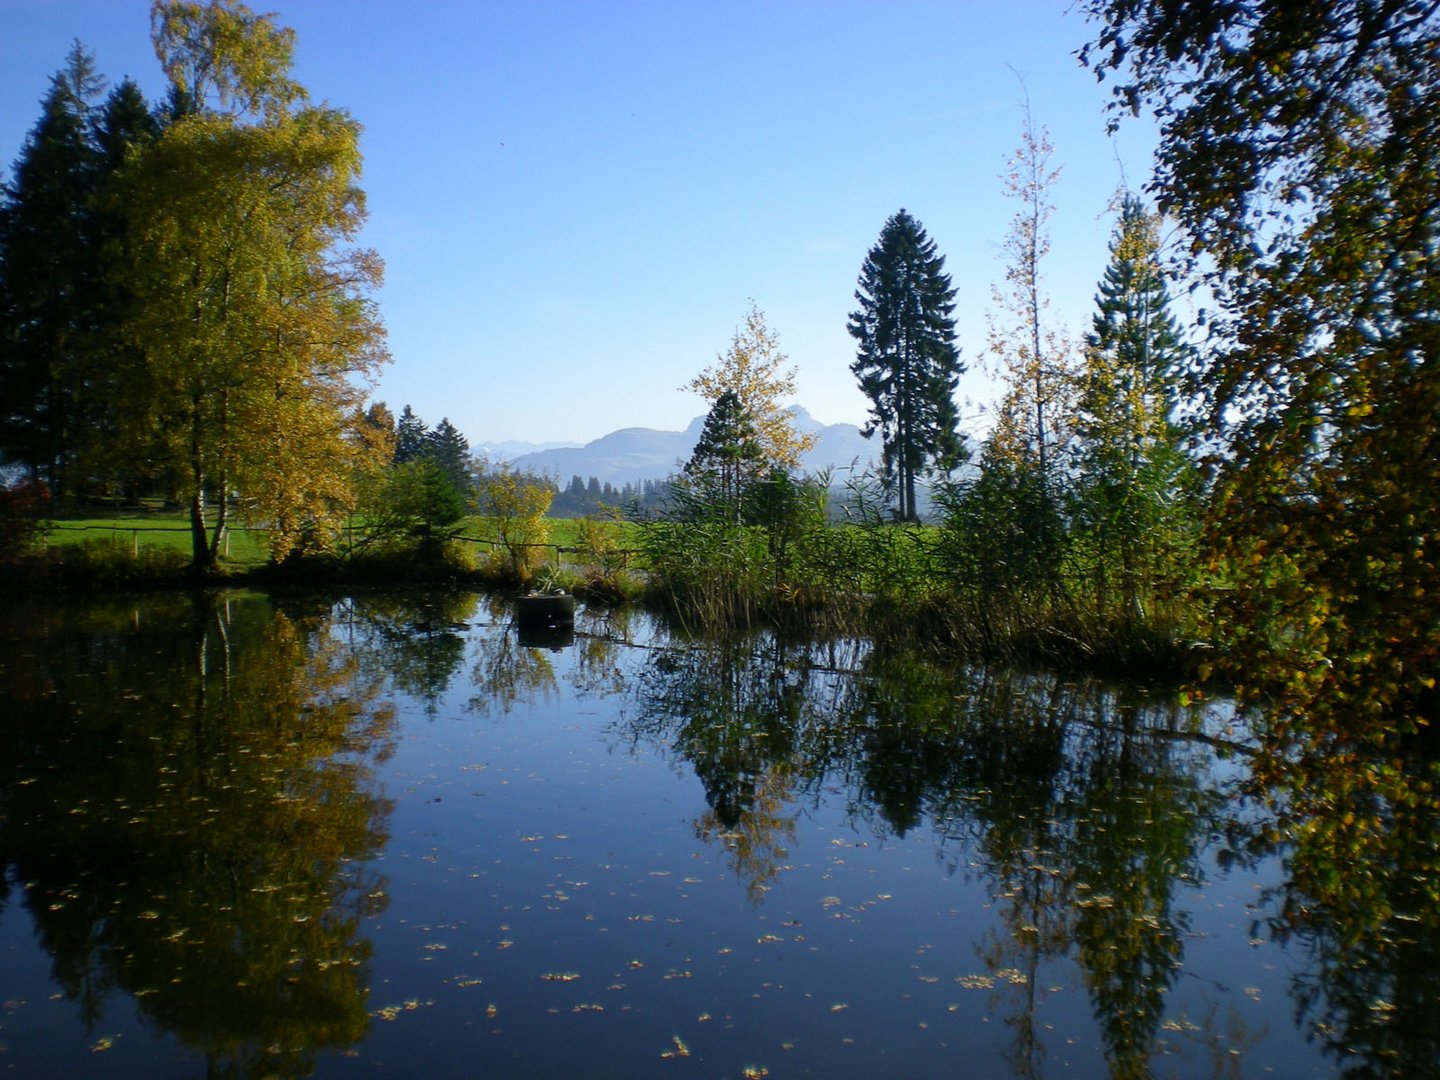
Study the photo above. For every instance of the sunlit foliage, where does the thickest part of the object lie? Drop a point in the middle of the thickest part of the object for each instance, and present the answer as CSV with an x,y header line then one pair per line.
x,y
250,316
1137,491
513,505
1300,151
754,370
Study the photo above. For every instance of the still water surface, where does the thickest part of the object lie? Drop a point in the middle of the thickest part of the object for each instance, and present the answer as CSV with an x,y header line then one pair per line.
x,y
385,836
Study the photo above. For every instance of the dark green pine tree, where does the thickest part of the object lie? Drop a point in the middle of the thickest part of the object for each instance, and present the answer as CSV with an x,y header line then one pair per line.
x,y
1136,485
124,121
907,362
50,276
451,451
727,456
411,437
1133,324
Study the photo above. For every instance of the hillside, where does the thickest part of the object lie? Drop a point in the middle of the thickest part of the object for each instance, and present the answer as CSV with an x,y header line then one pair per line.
x,y
631,455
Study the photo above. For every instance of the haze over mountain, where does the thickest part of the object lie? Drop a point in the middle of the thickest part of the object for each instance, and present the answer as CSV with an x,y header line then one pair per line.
x,y
631,455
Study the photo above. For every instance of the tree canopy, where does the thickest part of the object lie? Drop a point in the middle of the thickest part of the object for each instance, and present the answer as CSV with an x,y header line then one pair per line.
x,y
49,279
252,329
728,454
1300,151
754,371
1136,486
906,360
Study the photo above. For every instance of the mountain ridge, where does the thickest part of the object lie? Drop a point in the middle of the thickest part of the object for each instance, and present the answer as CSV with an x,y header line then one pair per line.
x,y
636,454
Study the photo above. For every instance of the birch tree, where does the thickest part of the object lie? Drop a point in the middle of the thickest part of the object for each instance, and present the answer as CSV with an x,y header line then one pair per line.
x,y
253,330
754,370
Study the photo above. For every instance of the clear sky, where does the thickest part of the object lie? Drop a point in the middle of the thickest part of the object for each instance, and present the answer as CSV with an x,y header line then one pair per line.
x,y
577,201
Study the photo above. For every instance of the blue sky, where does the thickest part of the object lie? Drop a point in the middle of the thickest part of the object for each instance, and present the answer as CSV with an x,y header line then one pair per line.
x,y
576,202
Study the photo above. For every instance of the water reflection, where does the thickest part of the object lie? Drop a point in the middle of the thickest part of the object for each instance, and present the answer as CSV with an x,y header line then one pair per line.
x,y
418,642
1361,840
194,833
1086,811
191,808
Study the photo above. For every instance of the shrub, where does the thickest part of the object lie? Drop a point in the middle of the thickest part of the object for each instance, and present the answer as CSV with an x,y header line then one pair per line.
x,y
23,513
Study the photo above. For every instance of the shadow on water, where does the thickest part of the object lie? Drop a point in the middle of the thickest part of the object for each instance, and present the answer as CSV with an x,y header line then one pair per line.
x,y
191,813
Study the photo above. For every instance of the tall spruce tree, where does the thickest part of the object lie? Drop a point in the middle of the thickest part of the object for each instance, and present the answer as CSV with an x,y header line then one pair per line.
x,y
907,362
411,436
1135,479
123,124
49,276
451,451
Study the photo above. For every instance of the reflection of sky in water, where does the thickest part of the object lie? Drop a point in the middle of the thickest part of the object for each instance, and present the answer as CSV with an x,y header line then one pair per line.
x,y
562,900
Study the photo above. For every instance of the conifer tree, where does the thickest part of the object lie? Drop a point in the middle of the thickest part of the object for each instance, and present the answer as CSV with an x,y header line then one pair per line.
x,y
728,454
1135,481
451,451
411,436
753,369
907,362
49,276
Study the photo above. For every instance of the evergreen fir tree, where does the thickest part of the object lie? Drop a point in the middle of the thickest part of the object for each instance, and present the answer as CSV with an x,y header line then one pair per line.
x,y
411,437
49,276
1134,471
125,120
907,362
123,123
451,451
727,455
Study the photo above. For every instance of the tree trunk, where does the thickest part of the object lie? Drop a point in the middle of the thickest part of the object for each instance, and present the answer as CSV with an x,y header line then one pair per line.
x,y
201,559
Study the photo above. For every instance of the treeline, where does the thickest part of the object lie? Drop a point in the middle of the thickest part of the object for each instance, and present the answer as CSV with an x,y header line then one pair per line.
x,y
1069,532
581,498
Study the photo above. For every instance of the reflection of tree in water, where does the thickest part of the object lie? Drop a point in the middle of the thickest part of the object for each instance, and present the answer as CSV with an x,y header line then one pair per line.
x,y
737,711
1084,810
1362,843
415,639
755,842
507,673
1087,810
1089,814
1139,810
600,634
184,789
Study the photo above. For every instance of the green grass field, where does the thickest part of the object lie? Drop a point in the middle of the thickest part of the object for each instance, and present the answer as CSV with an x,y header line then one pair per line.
x,y
170,530
246,547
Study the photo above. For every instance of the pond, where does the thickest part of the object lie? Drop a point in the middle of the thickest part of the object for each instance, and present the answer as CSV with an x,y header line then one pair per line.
x,y
382,835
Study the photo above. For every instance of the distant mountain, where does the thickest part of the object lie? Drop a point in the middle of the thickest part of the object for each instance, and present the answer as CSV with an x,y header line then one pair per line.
x,y
509,450
631,455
